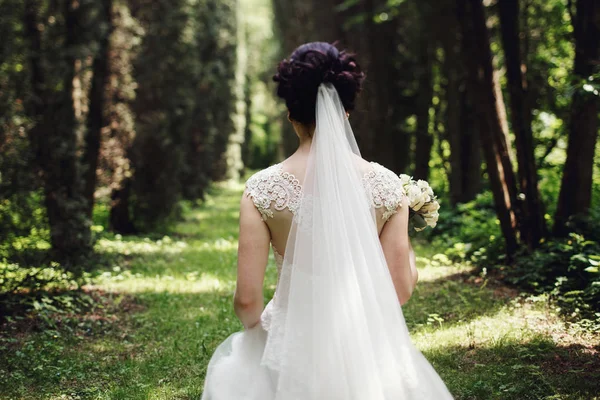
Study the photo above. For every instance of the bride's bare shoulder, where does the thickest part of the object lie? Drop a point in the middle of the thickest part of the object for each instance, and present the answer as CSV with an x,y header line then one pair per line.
x,y
363,165
263,173
373,167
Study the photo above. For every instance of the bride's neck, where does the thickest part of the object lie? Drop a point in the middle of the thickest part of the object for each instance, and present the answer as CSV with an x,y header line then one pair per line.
x,y
304,145
305,135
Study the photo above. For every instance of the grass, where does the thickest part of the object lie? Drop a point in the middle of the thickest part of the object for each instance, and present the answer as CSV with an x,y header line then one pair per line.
x,y
165,304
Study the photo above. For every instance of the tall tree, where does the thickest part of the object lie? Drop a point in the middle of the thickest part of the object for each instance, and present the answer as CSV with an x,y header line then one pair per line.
x,y
53,136
96,119
184,117
117,139
532,225
459,124
576,185
424,138
478,59
377,142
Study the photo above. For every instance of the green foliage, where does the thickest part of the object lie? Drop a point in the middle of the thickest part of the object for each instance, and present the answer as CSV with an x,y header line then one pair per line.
x,y
265,142
184,111
19,185
550,59
566,269
263,114
471,231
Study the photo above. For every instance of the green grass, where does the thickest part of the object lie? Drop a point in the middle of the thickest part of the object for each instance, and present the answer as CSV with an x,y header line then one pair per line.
x,y
166,304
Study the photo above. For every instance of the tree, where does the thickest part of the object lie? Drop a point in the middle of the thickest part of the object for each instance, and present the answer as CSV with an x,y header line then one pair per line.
x,y
532,225
576,185
96,119
53,138
478,59
117,139
424,140
459,122
184,103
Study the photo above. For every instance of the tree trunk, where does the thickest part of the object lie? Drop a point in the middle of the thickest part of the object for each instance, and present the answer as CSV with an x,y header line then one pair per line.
x,y
54,142
377,140
120,216
465,149
576,186
383,138
470,143
532,224
96,120
424,141
246,155
501,107
478,59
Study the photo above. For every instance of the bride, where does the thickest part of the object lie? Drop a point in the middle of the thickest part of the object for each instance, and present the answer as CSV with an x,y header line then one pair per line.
x,y
338,227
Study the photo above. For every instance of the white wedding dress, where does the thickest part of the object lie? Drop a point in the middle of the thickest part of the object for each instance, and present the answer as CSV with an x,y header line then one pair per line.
x,y
334,329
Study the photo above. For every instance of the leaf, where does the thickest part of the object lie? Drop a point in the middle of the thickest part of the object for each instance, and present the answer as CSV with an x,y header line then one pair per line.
x,y
346,5
579,257
418,221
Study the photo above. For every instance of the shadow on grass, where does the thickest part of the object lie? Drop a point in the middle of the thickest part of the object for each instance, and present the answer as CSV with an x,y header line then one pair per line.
x,y
537,369
123,353
453,299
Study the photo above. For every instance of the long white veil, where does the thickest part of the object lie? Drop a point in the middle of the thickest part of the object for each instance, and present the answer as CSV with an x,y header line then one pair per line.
x,y
337,330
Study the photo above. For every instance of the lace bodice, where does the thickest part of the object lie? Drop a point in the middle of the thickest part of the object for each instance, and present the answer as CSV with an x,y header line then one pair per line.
x,y
273,189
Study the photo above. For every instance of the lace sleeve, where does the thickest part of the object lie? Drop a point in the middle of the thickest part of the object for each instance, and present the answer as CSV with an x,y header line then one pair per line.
x,y
256,189
384,189
273,189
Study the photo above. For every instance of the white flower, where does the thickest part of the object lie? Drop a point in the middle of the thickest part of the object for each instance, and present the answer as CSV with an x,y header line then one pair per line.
x,y
405,179
430,207
421,200
422,184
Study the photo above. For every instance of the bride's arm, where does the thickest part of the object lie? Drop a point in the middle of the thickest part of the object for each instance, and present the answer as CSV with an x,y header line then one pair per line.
x,y
399,254
413,264
253,254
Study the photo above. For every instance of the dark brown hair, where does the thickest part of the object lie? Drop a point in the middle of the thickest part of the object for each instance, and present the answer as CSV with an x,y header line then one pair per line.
x,y
310,65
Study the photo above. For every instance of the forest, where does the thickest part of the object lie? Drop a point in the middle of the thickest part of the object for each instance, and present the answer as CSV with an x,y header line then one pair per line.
x,y
128,128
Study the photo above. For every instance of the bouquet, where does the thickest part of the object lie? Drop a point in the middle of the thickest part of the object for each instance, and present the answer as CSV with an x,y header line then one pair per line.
x,y
423,206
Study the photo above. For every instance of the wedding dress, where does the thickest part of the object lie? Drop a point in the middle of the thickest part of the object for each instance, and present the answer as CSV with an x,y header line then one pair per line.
x,y
334,329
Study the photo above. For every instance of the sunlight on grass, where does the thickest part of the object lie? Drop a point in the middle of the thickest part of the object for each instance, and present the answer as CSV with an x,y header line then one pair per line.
x,y
506,324
136,284
432,269
144,246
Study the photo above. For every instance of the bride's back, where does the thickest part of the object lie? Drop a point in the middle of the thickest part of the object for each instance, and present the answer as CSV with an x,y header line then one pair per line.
x,y
277,191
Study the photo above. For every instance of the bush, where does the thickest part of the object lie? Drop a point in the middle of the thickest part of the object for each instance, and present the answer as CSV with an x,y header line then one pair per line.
x,y
568,269
470,232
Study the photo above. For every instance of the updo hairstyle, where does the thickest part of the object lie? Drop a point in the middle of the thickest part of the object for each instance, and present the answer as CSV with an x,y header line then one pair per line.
x,y
311,64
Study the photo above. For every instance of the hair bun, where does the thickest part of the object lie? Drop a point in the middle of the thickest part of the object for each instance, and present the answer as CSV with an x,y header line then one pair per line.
x,y
310,65
329,76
